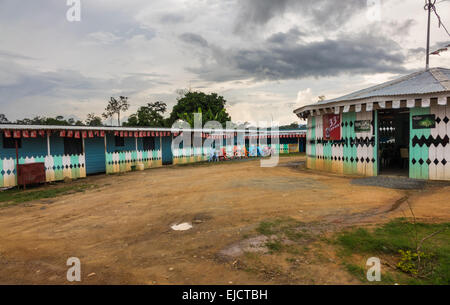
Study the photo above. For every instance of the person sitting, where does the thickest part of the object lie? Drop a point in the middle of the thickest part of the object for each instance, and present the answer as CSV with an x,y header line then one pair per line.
x,y
212,155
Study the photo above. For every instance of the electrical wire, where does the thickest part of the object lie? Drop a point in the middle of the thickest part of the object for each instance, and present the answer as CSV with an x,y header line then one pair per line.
x,y
430,5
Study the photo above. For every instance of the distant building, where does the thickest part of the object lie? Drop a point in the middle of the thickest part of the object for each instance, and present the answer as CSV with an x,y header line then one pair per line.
x,y
400,127
52,153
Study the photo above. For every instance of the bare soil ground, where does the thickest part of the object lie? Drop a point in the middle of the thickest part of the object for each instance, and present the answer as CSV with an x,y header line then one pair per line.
x,y
120,230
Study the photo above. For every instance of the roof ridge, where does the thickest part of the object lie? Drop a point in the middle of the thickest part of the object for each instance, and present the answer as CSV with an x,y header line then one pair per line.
x,y
397,80
380,86
440,77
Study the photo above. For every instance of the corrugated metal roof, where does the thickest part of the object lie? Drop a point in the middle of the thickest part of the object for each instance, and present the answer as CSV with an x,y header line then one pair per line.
x,y
421,82
107,128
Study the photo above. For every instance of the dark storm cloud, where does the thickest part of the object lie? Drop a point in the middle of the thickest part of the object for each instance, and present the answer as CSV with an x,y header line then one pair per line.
x,y
282,38
362,53
322,13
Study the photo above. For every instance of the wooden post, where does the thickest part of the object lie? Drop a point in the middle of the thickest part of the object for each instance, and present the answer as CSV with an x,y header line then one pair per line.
x,y
106,154
82,144
17,163
48,144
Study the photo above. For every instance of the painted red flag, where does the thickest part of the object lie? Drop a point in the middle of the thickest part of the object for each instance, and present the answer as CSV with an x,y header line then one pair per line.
x,y
69,134
91,134
25,134
16,134
33,133
77,134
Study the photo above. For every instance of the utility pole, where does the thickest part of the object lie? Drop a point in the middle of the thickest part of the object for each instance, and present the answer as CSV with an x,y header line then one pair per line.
x,y
428,5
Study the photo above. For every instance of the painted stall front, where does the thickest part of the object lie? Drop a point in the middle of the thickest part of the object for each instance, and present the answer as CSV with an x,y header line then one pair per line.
x,y
76,151
401,127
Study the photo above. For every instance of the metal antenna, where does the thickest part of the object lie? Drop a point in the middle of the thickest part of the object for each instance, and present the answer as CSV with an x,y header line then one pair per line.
x,y
428,6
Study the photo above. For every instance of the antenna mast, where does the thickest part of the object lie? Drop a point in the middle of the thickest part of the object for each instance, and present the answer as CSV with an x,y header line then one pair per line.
x,y
428,6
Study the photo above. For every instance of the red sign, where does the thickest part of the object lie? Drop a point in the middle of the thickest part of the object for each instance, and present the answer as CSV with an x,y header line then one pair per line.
x,y
331,127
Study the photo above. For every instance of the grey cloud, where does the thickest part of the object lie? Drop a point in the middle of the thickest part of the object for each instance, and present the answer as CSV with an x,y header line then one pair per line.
x,y
421,50
68,84
194,39
322,13
401,28
282,38
171,18
14,56
362,53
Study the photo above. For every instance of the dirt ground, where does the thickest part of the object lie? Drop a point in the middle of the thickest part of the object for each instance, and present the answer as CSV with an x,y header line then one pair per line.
x,y
121,229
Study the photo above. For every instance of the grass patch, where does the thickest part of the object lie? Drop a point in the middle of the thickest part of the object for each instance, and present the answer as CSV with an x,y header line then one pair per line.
x,y
15,196
274,246
280,231
395,238
284,228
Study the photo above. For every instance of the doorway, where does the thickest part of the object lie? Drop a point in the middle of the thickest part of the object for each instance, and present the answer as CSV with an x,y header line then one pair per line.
x,y
393,141
166,149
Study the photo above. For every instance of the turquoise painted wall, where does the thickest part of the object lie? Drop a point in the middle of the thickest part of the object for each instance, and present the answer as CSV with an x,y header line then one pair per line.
x,y
418,155
95,155
31,147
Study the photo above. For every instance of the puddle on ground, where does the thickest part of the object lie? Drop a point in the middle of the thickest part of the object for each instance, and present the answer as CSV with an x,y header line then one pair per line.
x,y
181,226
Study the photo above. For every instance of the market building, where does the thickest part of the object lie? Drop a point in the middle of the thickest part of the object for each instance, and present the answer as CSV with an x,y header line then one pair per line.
x,y
401,127
36,154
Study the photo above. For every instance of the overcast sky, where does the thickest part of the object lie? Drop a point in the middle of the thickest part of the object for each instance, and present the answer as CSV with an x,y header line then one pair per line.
x,y
265,57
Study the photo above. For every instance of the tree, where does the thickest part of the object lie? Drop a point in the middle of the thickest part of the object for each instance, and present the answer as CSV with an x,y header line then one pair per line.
x,y
116,106
93,120
3,119
294,125
58,120
212,107
150,115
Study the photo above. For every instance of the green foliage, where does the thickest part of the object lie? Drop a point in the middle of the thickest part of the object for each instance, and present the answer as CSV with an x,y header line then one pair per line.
x,y
15,196
396,239
274,246
410,260
58,120
212,107
150,115
93,120
3,119
290,126
284,228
